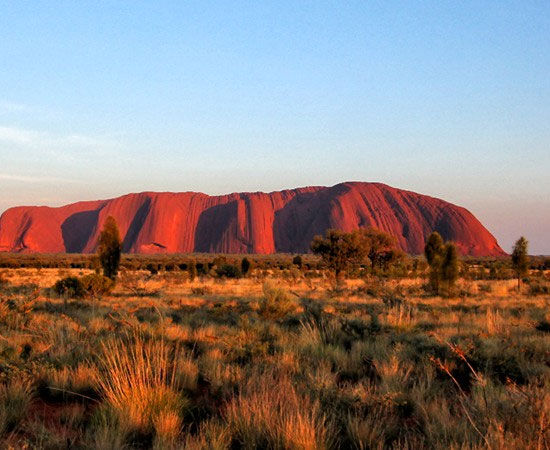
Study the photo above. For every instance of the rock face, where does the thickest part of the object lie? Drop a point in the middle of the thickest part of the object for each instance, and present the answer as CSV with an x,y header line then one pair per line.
x,y
257,222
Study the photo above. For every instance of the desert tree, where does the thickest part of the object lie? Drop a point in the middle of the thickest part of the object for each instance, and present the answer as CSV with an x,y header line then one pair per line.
x,y
443,259
340,250
228,271
192,270
434,251
520,259
110,248
434,247
449,266
382,249
246,266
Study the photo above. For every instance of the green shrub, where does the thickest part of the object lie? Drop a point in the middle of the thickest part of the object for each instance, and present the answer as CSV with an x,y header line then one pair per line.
x,y
71,287
92,285
96,284
246,266
538,288
543,325
228,271
218,261
276,303
192,269
110,248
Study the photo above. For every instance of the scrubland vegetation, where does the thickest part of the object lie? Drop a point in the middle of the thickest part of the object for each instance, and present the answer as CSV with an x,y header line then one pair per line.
x,y
281,358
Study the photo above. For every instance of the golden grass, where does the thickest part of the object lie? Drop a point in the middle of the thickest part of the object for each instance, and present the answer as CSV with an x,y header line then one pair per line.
x,y
270,413
296,363
15,398
79,380
142,380
401,316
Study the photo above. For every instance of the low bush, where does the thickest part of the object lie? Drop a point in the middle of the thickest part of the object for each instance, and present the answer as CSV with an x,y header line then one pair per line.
x,y
538,288
71,287
543,325
484,288
88,285
96,284
228,271
201,290
276,302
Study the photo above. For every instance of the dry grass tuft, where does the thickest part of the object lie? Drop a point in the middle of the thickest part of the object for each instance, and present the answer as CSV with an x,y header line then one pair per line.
x,y
15,398
271,413
495,322
167,425
142,380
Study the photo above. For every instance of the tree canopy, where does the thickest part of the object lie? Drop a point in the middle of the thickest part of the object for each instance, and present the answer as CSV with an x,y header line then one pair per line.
x,y
520,259
433,248
444,263
341,250
110,248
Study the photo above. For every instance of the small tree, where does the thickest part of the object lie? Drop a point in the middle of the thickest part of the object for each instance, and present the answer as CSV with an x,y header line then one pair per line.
x,y
109,249
443,260
381,248
339,250
228,271
520,260
297,261
449,266
434,251
152,268
192,269
434,247
246,266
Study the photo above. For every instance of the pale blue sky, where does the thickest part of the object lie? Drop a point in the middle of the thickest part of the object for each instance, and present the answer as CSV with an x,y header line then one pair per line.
x,y
446,98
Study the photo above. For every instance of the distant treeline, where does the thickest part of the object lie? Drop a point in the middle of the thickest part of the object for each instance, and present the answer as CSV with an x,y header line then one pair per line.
x,y
471,268
159,262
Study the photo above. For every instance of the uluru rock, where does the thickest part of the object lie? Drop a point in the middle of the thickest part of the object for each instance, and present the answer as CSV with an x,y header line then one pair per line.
x,y
251,222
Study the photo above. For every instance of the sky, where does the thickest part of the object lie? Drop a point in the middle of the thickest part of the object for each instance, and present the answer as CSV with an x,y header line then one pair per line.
x,y
445,98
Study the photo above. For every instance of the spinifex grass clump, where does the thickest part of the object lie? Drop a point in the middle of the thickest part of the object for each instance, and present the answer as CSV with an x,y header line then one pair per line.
x,y
15,398
142,382
271,413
